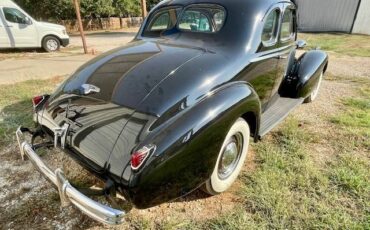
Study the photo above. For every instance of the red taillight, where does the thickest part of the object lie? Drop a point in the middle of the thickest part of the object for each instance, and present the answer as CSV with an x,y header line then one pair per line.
x,y
37,100
138,157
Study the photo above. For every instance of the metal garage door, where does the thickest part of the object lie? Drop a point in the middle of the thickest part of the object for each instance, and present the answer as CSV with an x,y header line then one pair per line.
x,y
326,15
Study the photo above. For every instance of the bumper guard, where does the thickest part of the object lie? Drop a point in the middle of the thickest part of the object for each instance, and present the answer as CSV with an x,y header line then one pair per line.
x,y
68,194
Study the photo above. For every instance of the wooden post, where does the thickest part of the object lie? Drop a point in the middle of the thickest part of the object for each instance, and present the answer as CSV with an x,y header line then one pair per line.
x,y
143,8
80,26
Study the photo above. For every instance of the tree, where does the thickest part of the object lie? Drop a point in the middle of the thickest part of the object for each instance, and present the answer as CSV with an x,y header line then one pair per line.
x,y
48,9
127,8
63,9
97,8
151,3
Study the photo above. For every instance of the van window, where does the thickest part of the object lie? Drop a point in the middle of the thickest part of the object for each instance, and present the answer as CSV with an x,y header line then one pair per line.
x,y
14,15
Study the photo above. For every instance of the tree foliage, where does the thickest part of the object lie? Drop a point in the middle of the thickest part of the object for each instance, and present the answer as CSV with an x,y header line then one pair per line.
x,y
45,9
125,8
64,9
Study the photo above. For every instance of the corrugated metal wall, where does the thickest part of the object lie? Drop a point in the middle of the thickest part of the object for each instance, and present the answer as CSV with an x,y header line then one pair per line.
x,y
326,15
362,23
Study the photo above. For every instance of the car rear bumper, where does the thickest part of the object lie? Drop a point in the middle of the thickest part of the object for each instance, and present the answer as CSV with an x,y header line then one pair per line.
x,y
64,42
68,194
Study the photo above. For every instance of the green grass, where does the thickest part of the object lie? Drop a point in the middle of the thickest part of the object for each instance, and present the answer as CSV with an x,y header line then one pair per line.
x,y
348,44
288,189
16,105
355,118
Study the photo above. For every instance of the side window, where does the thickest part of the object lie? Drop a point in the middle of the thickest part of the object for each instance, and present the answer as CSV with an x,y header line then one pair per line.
x,y
270,28
219,19
195,21
161,22
287,25
14,15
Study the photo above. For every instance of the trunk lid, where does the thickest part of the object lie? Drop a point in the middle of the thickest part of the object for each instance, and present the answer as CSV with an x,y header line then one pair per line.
x,y
124,77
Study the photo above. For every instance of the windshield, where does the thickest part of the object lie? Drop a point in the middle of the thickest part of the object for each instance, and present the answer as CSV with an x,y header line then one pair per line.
x,y
195,18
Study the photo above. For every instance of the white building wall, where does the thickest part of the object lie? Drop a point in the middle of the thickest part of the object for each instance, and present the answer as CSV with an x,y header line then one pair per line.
x,y
362,23
326,15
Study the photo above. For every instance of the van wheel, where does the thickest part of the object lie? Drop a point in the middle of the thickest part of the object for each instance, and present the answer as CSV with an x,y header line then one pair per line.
x,y
315,91
230,159
51,44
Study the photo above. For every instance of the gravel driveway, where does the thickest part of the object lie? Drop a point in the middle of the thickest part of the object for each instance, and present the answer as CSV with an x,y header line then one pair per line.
x,y
17,66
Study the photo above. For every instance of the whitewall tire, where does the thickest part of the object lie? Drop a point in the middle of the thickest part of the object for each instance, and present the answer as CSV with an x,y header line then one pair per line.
x,y
230,159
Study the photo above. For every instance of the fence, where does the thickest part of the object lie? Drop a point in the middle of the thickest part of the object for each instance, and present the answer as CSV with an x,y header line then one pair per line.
x,y
103,23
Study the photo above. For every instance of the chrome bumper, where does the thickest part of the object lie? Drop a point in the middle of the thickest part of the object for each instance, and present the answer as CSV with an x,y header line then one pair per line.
x,y
68,194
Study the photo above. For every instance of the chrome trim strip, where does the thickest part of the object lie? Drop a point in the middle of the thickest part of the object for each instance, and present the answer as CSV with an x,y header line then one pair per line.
x,y
68,194
275,53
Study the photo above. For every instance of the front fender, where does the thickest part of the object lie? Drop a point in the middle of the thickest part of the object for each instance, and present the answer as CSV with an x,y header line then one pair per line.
x,y
188,147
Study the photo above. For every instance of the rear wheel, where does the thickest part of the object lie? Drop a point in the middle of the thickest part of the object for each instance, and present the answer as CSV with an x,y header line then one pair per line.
x,y
230,159
315,91
51,44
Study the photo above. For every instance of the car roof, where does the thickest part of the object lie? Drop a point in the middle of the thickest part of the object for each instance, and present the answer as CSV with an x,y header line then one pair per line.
x,y
226,3
8,3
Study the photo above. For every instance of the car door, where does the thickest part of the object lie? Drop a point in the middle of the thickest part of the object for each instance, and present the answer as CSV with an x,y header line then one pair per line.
x,y
287,46
20,27
4,33
262,71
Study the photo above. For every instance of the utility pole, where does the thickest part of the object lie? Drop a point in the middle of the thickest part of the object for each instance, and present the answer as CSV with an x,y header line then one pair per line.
x,y
143,8
80,26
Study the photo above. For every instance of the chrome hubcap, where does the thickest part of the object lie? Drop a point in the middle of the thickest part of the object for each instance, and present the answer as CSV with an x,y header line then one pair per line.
x,y
230,156
52,45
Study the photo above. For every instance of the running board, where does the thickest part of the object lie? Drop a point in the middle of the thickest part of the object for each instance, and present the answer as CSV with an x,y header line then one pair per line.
x,y
276,113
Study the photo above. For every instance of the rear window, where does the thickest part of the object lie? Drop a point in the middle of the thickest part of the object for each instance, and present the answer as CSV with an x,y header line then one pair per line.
x,y
195,18
202,19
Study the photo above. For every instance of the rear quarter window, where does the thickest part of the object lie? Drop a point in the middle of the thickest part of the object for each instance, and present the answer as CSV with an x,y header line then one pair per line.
x,y
270,27
162,20
287,25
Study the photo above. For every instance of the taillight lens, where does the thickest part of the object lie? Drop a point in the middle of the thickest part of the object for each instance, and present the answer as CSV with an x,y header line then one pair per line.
x,y
37,100
139,157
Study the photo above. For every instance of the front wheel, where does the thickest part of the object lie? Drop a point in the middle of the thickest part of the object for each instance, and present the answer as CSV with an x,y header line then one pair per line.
x,y
230,159
51,44
315,91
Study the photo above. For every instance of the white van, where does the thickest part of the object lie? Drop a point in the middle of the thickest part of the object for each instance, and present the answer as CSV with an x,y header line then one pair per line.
x,y
19,30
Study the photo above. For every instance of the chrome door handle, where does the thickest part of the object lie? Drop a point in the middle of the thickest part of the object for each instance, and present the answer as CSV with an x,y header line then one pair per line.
x,y
282,57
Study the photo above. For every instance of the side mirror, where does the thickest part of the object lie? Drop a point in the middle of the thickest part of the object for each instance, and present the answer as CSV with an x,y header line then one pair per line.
x,y
28,21
301,44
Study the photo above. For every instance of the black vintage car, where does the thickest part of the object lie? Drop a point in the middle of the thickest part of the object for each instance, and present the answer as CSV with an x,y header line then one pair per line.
x,y
174,109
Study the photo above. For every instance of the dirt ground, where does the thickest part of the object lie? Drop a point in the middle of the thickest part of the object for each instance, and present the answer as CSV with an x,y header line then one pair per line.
x,y
27,200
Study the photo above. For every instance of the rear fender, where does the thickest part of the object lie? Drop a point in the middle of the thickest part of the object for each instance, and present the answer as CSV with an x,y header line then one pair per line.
x,y
305,74
187,148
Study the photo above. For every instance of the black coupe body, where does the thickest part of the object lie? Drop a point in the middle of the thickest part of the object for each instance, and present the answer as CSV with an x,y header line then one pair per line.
x,y
152,117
